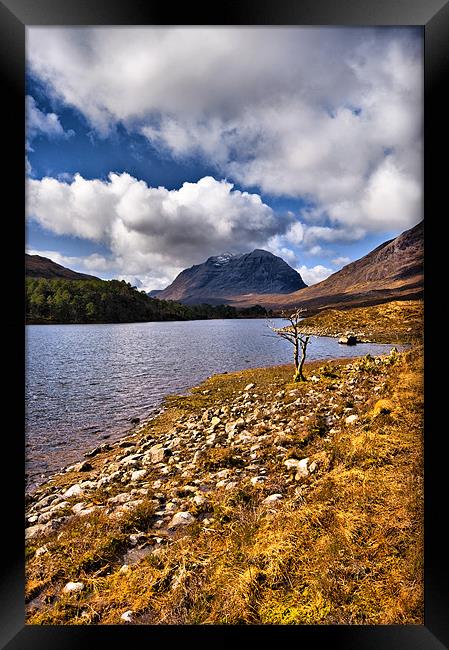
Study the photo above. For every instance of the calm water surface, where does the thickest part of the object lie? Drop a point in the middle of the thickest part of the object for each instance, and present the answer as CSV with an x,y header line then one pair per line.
x,y
83,382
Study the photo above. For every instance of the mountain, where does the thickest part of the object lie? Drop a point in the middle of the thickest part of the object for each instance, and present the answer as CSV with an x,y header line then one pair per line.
x,y
392,271
41,267
225,275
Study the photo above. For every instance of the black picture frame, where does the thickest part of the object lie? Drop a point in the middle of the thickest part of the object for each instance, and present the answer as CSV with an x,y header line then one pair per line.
x,y
15,15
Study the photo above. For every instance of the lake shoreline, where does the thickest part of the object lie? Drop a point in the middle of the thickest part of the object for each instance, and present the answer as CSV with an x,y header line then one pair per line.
x,y
86,383
251,432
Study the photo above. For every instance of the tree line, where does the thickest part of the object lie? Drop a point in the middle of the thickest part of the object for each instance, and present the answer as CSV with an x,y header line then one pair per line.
x,y
113,301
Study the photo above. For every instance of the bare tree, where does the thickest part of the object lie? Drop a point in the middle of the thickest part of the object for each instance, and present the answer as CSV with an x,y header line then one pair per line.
x,y
293,334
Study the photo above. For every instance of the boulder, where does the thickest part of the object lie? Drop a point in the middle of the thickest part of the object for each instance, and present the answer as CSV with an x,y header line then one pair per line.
x,y
302,470
157,453
181,519
273,498
34,531
234,425
73,491
294,463
348,339
78,507
138,475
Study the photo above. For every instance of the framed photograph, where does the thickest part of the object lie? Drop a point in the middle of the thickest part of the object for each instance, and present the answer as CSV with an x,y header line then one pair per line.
x,y
227,421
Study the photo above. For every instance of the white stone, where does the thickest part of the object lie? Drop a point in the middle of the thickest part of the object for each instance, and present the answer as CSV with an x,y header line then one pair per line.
x,y
249,386
78,507
258,479
128,616
302,469
123,497
138,475
156,454
199,500
292,463
73,587
41,551
73,491
33,531
130,505
124,569
273,498
351,418
181,519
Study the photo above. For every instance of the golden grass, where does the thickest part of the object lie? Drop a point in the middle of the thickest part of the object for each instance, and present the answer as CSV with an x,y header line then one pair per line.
x,y
345,547
399,321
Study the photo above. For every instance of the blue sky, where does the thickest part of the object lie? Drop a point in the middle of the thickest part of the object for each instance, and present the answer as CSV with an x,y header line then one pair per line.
x,y
150,149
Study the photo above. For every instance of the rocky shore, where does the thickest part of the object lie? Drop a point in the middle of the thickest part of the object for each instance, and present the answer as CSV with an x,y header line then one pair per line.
x,y
251,437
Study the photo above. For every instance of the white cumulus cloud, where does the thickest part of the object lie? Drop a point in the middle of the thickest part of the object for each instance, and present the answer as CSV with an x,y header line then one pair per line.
x,y
314,274
341,261
153,233
330,114
40,123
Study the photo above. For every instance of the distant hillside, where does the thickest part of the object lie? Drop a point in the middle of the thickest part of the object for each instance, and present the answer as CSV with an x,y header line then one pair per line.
x,y
42,267
59,300
392,271
222,276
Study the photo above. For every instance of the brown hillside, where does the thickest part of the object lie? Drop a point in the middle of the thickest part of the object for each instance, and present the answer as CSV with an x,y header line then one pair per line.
x,y
392,271
42,267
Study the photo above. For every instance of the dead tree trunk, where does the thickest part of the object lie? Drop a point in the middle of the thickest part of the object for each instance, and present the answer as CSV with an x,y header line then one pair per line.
x,y
296,356
293,335
299,372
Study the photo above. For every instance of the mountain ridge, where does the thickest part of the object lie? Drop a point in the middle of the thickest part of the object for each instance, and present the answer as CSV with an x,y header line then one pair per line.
x,y
228,274
37,266
391,271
